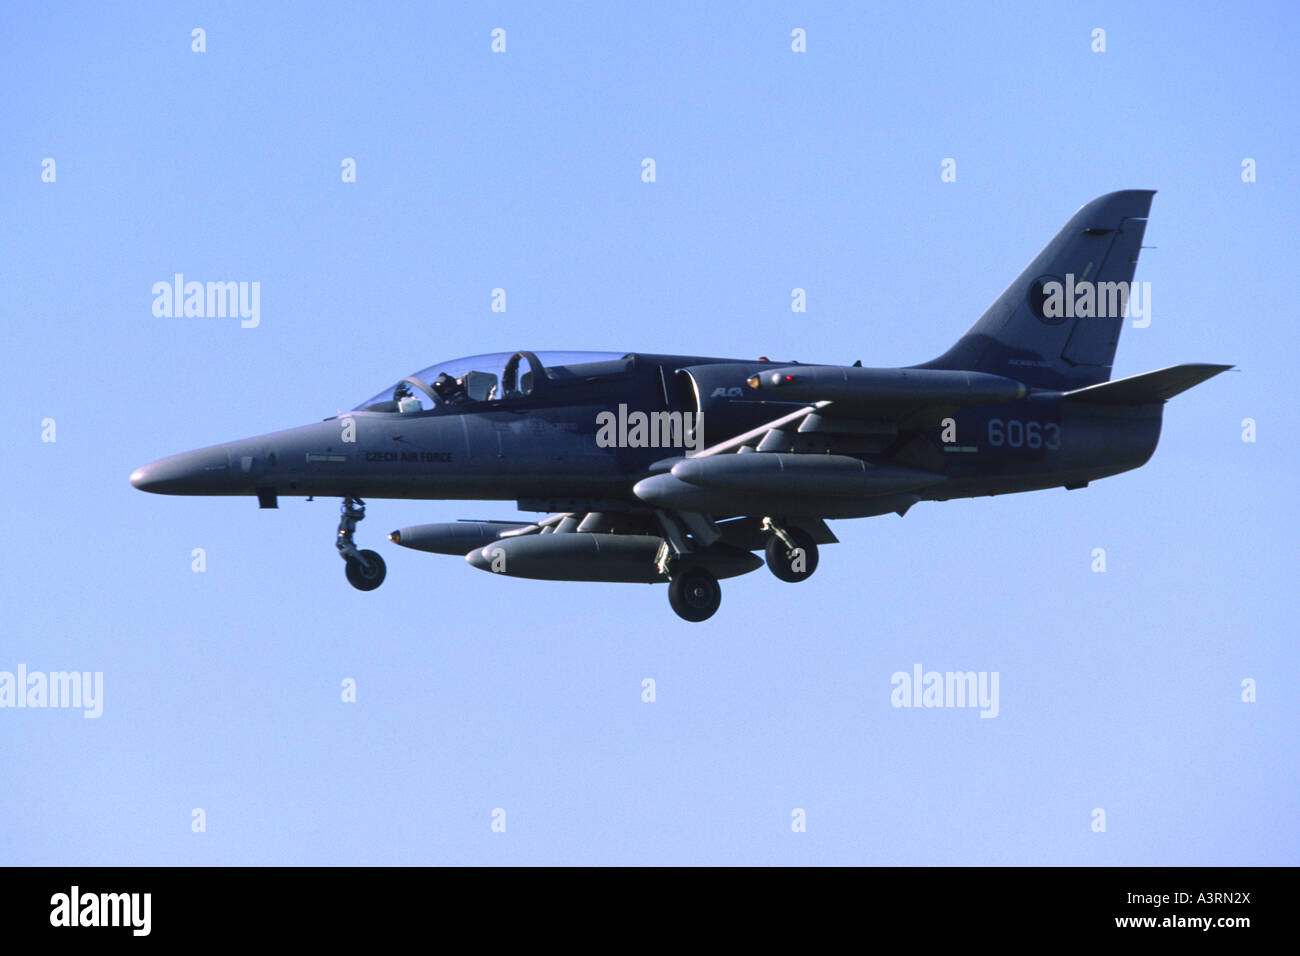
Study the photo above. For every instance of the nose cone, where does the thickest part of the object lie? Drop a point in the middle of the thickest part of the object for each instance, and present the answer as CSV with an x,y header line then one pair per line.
x,y
203,472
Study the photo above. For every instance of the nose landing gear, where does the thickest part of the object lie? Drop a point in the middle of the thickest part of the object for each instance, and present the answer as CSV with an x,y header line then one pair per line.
x,y
365,569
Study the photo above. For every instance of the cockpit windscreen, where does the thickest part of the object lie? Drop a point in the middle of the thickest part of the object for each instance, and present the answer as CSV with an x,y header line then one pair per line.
x,y
488,378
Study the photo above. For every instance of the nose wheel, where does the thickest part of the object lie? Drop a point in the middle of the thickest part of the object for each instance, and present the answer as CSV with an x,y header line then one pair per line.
x,y
365,569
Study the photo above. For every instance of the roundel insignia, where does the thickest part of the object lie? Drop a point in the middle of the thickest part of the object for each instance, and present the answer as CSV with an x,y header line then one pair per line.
x,y
1038,295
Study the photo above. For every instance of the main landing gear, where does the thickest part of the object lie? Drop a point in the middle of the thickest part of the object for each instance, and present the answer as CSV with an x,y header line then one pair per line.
x,y
693,589
791,553
365,569
694,594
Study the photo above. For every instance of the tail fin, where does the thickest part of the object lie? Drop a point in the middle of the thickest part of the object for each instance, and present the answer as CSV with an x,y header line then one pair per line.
x,y
1041,331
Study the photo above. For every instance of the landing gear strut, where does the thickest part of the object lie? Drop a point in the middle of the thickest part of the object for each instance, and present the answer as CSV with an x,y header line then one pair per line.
x,y
365,569
694,593
693,590
791,553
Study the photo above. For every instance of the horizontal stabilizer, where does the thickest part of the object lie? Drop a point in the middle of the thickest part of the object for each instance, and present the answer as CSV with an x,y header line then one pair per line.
x,y
1149,387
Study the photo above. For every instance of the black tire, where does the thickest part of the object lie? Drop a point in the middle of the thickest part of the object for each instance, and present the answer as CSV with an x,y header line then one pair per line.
x,y
366,579
694,594
782,561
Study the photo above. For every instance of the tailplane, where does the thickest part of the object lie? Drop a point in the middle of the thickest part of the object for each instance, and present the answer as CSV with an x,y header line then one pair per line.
x,y
1149,387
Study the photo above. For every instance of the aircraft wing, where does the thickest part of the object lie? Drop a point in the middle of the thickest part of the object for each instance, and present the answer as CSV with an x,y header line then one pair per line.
x,y
892,400
809,461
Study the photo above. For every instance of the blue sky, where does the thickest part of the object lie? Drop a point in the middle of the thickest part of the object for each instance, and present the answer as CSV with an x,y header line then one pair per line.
x,y
521,171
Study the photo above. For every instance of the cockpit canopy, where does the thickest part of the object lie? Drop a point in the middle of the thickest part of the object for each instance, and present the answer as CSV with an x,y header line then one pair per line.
x,y
500,376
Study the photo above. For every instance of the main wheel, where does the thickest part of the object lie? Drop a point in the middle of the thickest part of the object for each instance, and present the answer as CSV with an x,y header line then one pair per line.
x,y
792,565
366,578
694,594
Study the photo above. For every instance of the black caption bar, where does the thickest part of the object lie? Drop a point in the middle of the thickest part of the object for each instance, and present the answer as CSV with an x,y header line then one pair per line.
x,y
208,904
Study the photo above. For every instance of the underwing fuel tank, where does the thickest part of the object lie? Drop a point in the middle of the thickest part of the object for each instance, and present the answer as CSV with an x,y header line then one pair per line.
x,y
452,537
582,556
773,483
782,474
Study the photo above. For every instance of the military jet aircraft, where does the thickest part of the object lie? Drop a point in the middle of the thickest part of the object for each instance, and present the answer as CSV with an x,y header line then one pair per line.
x,y
677,468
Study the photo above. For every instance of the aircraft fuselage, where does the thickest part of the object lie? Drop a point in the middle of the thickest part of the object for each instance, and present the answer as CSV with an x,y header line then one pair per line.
x,y
552,448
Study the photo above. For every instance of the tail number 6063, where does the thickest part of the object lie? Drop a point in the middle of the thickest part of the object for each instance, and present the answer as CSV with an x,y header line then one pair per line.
x,y
1015,433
